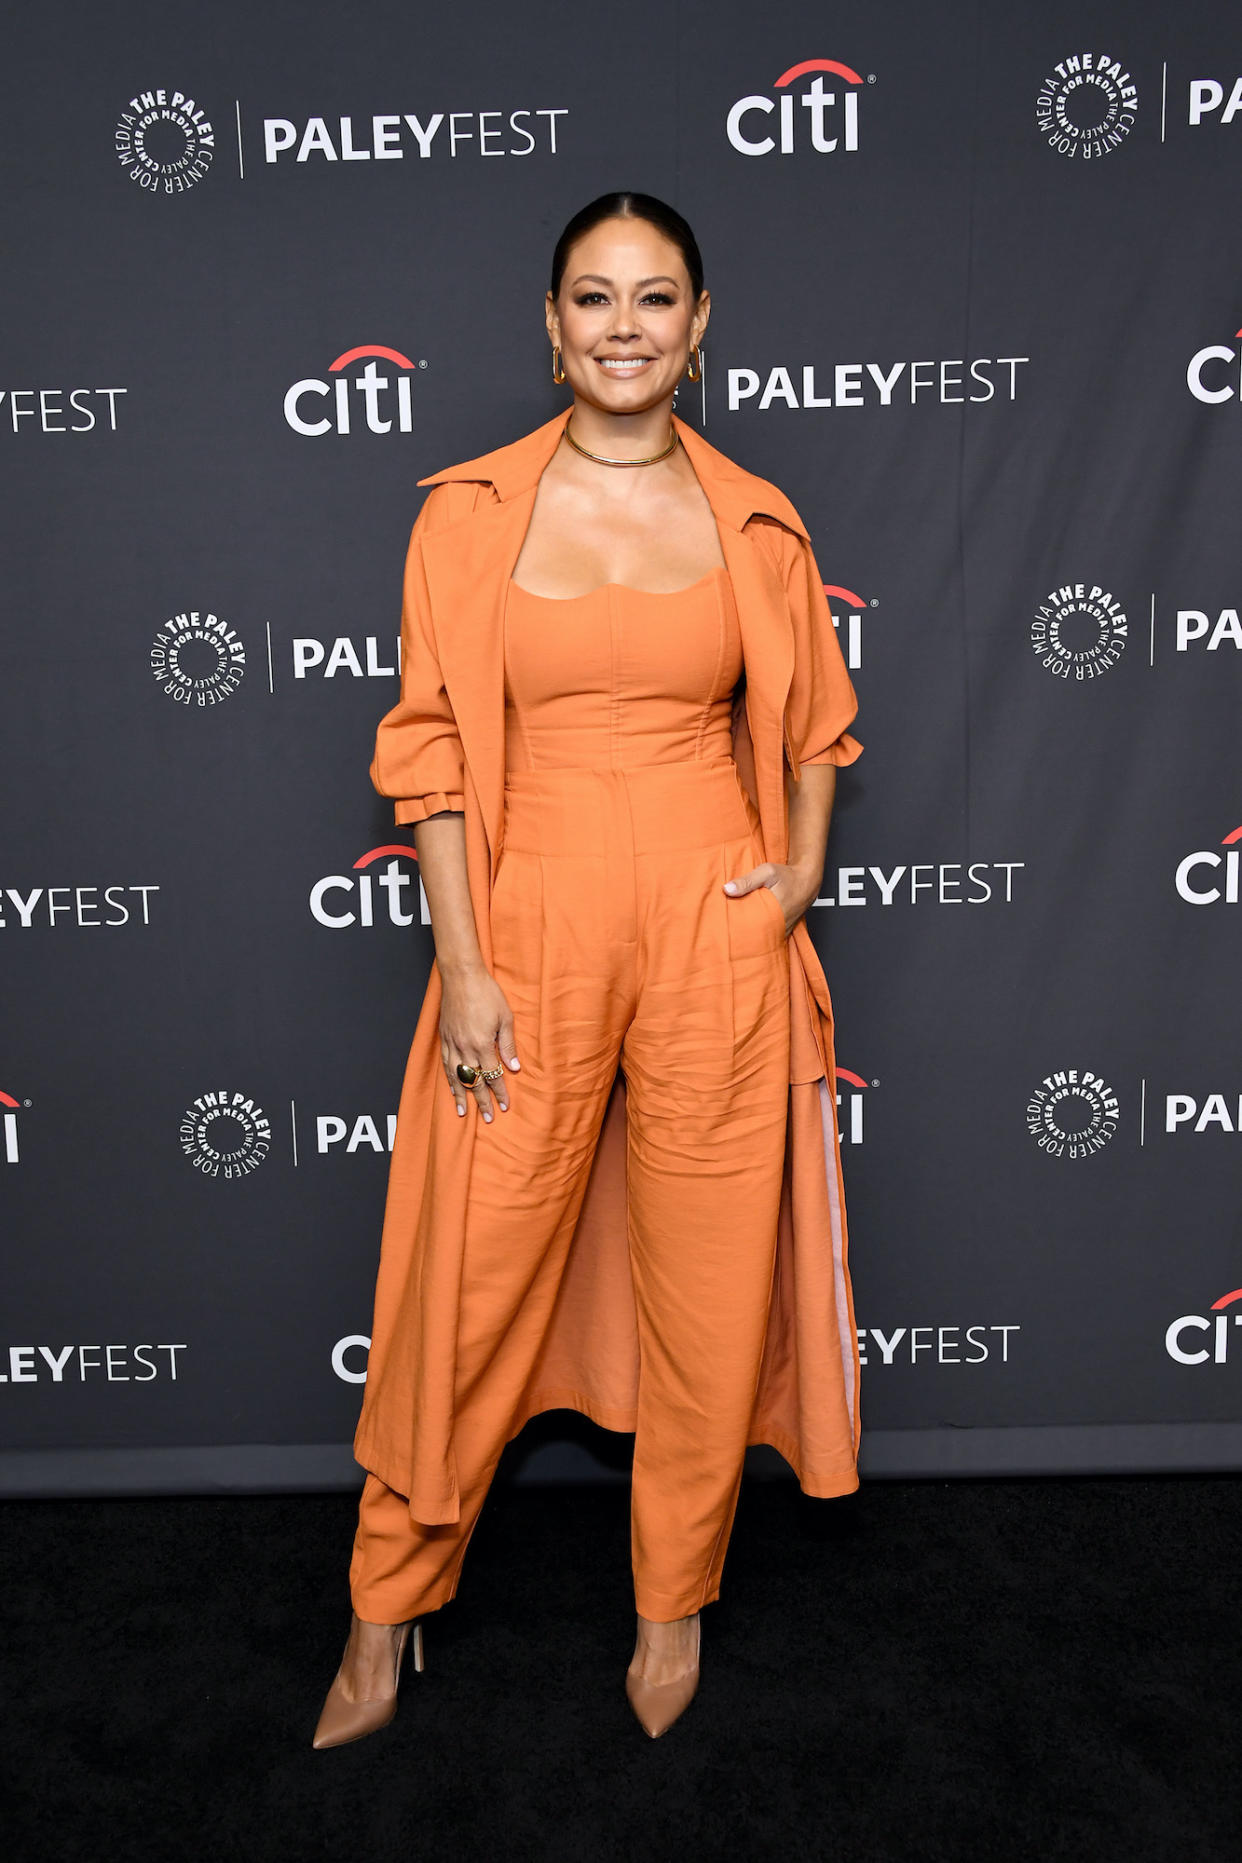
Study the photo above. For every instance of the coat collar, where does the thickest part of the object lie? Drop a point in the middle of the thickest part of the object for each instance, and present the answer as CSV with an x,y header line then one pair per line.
x,y
734,494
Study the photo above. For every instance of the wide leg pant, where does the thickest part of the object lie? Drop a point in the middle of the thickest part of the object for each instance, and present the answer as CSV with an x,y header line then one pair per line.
x,y
615,945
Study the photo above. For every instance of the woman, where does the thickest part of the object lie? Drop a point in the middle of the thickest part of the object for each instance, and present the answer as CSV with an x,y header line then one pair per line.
x,y
616,1179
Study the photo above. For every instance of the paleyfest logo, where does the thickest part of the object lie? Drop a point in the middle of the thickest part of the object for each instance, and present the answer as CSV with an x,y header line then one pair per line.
x,y
225,1134
198,659
164,142
314,407
1214,389
1087,106
1072,1114
1207,878
1079,631
829,125
1202,1338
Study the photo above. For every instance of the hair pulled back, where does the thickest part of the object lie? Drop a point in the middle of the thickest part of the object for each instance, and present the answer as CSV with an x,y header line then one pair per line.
x,y
628,205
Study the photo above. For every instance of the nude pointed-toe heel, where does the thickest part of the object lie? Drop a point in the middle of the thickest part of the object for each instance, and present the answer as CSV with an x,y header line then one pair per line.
x,y
341,1720
657,1705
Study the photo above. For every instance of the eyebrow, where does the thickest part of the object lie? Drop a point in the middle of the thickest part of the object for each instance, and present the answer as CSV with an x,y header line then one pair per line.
x,y
661,278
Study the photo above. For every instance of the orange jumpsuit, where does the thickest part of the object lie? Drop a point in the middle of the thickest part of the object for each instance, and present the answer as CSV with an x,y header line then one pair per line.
x,y
615,946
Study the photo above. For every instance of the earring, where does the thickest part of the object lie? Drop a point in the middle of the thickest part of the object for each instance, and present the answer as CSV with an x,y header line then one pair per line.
x,y
695,368
558,373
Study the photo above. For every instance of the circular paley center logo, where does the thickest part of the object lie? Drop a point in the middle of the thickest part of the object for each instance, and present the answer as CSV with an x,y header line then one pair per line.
x,y
1072,1114
225,1134
1086,106
198,659
164,141
1079,631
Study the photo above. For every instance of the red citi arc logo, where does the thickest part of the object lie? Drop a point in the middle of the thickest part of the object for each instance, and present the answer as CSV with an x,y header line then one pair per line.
x,y
1216,1323
819,103
1210,888
1227,389
850,1110
374,388
359,906
847,606
9,1125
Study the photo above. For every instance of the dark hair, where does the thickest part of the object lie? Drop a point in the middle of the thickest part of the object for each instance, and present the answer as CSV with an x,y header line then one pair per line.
x,y
630,206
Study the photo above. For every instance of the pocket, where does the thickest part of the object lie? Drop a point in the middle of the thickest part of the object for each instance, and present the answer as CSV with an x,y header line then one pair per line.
x,y
775,906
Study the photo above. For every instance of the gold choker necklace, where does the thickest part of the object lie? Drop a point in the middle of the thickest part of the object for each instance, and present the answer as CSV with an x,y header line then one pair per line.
x,y
601,459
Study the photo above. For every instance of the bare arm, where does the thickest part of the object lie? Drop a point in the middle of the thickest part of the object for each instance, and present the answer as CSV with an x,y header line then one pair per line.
x,y
476,1023
796,882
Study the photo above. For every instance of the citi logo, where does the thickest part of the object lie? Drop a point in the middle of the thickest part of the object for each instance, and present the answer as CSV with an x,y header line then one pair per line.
x,y
828,126
349,1358
8,1124
1208,878
359,905
850,1106
383,397
1204,376
849,608
1186,1340
1206,97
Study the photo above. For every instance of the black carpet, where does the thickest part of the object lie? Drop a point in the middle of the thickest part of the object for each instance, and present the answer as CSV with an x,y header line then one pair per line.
x,y
1043,1669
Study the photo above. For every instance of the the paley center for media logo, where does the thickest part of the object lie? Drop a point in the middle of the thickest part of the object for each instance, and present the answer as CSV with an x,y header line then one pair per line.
x,y
1079,631
1072,1113
165,141
225,1134
1087,106
197,659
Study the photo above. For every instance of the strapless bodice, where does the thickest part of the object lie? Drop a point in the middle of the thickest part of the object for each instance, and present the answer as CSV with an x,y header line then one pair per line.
x,y
620,677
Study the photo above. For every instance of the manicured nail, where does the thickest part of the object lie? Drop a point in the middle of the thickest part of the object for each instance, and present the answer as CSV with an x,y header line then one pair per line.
x,y
488,1118
461,1111
515,1064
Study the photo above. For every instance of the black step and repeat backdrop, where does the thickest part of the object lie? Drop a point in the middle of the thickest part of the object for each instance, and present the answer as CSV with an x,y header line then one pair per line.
x,y
977,281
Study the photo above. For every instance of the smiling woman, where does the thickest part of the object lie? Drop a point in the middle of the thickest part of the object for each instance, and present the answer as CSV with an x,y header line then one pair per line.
x,y
622,708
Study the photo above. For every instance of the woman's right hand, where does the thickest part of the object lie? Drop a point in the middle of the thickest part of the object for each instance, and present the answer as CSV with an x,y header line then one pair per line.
x,y
476,1027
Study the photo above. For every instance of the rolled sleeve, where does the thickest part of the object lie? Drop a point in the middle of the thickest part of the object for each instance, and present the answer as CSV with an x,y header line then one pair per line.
x,y
418,759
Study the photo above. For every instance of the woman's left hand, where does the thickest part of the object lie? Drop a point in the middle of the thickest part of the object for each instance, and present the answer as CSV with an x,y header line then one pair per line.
x,y
793,890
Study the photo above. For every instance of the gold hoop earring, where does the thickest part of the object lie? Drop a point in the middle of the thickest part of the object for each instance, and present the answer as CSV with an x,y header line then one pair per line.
x,y
558,373
694,369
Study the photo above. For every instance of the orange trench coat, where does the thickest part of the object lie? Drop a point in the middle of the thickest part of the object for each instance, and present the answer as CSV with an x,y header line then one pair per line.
x,y
443,746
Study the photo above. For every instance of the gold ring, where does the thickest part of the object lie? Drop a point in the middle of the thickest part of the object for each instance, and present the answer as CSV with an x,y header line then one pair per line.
x,y
467,1074
492,1073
